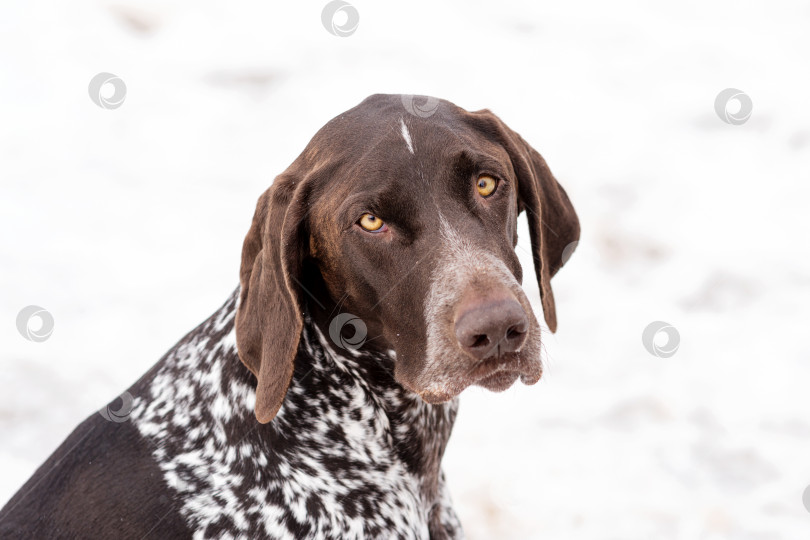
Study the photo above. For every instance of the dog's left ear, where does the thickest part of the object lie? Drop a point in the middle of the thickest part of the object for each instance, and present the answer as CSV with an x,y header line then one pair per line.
x,y
553,223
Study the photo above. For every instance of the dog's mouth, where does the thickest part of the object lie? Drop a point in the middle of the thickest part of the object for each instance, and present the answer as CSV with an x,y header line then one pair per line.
x,y
498,381
499,373
496,374
484,336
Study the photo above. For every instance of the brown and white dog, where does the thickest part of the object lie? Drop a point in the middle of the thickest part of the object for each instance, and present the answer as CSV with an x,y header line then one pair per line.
x,y
379,279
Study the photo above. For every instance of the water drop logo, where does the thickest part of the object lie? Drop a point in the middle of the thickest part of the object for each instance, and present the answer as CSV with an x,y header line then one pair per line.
x,y
356,340
329,16
27,320
98,95
424,108
652,331
568,251
732,95
122,413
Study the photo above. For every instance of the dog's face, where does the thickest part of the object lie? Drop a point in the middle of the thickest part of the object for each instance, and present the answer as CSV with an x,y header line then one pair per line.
x,y
422,245
411,224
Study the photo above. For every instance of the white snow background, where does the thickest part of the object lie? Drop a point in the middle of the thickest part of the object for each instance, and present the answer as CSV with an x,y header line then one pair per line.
x,y
127,225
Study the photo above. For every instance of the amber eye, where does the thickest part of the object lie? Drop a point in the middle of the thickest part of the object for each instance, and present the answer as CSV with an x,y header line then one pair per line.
x,y
371,223
486,185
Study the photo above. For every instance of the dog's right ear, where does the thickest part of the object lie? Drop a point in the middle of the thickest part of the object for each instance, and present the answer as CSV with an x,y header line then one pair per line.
x,y
553,222
269,317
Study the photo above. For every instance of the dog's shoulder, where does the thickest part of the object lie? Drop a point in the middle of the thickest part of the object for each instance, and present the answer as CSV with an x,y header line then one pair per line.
x,y
103,479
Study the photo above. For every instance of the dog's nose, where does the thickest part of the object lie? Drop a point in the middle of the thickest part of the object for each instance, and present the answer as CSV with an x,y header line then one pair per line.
x,y
491,327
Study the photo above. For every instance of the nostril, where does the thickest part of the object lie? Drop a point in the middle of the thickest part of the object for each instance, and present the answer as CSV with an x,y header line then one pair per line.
x,y
514,332
491,328
480,340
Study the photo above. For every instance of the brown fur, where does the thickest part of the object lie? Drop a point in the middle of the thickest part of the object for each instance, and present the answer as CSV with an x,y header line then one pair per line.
x,y
302,243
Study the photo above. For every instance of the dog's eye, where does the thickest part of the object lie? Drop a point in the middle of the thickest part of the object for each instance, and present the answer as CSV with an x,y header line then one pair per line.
x,y
371,223
486,185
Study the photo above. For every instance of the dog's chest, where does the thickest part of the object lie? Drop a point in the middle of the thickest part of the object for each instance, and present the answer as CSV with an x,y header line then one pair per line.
x,y
330,465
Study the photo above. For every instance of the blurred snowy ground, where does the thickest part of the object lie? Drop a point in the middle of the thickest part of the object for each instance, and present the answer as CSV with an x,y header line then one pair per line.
x,y
127,225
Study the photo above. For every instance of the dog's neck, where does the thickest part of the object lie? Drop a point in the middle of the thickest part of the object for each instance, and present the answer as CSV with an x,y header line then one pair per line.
x,y
348,398
351,394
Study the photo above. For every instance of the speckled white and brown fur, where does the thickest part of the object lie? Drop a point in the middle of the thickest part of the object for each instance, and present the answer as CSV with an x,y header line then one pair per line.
x,y
290,437
351,454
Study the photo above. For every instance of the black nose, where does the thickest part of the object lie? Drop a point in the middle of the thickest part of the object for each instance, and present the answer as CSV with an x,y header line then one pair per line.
x,y
491,327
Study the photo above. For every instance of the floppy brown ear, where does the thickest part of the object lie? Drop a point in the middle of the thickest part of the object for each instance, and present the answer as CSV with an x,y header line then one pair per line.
x,y
553,223
268,319
553,226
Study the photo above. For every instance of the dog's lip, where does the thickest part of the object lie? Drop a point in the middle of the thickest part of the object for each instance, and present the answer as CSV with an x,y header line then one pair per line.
x,y
509,362
498,380
495,379
492,373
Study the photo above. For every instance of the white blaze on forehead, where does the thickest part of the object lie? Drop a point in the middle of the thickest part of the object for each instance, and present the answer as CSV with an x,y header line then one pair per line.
x,y
406,134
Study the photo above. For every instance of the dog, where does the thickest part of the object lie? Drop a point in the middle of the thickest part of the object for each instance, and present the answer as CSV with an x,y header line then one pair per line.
x,y
378,280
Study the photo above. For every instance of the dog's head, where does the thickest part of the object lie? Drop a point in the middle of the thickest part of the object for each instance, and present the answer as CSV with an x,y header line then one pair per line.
x,y
408,222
